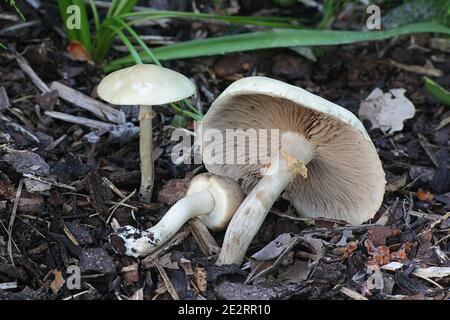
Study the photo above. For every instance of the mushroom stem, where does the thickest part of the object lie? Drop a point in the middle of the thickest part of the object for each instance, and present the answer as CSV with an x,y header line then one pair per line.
x,y
146,152
288,164
141,243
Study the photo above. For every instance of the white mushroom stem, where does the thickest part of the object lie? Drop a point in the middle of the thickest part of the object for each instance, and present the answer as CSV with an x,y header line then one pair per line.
x,y
290,162
146,152
141,243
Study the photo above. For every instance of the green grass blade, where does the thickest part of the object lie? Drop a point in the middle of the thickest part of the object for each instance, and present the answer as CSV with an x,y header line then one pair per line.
x,y
84,33
328,14
439,93
112,8
273,22
95,14
139,41
128,44
13,4
275,39
63,5
125,6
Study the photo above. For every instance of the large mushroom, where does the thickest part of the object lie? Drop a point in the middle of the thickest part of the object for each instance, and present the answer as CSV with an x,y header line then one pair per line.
x,y
145,85
213,199
326,163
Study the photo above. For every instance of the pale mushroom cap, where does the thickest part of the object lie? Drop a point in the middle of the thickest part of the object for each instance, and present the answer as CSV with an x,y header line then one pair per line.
x,y
345,179
145,84
227,196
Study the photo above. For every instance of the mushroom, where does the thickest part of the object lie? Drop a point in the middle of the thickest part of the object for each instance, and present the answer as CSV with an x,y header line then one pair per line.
x,y
326,163
145,85
213,199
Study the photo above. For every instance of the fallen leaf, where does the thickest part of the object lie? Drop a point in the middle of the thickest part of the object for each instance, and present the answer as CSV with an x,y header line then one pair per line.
x,y
173,190
77,50
295,273
424,195
379,235
58,282
346,234
199,279
387,111
274,248
352,246
381,255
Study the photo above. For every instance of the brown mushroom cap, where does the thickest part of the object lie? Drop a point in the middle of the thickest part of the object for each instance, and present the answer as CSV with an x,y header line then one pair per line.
x,y
345,177
227,196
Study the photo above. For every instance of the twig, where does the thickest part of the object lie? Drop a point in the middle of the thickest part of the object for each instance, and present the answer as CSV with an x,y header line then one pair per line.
x,y
11,220
99,109
94,124
77,295
147,262
166,280
23,64
339,229
424,143
53,145
114,207
18,128
109,184
50,182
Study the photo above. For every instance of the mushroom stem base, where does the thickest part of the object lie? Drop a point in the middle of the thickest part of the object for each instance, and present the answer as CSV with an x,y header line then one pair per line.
x,y
141,243
146,153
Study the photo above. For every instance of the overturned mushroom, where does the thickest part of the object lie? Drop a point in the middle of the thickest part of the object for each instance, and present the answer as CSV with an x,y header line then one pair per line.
x,y
326,163
145,85
213,199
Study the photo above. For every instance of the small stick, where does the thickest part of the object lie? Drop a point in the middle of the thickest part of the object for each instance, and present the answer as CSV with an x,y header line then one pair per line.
x,y
11,220
53,145
23,64
166,280
94,124
44,180
18,128
109,184
114,207
99,109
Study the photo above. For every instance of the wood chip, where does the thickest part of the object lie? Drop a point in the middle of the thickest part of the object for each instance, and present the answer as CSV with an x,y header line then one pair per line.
x,y
99,109
352,294
204,239
167,282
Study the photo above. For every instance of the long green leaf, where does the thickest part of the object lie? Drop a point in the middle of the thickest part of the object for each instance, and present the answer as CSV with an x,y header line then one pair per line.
x,y
274,39
439,93
84,33
273,22
134,54
72,34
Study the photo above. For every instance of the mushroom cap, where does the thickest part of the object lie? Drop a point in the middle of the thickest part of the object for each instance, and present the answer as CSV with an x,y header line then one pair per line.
x,y
227,194
345,179
145,84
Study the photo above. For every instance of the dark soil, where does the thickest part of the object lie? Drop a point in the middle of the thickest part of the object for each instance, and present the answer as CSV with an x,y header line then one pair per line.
x,y
61,226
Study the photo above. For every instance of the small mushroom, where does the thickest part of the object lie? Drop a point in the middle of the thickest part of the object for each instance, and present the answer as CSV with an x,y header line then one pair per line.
x,y
326,163
213,199
145,85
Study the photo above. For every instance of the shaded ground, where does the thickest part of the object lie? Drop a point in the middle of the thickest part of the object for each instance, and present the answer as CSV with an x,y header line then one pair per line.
x,y
67,224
